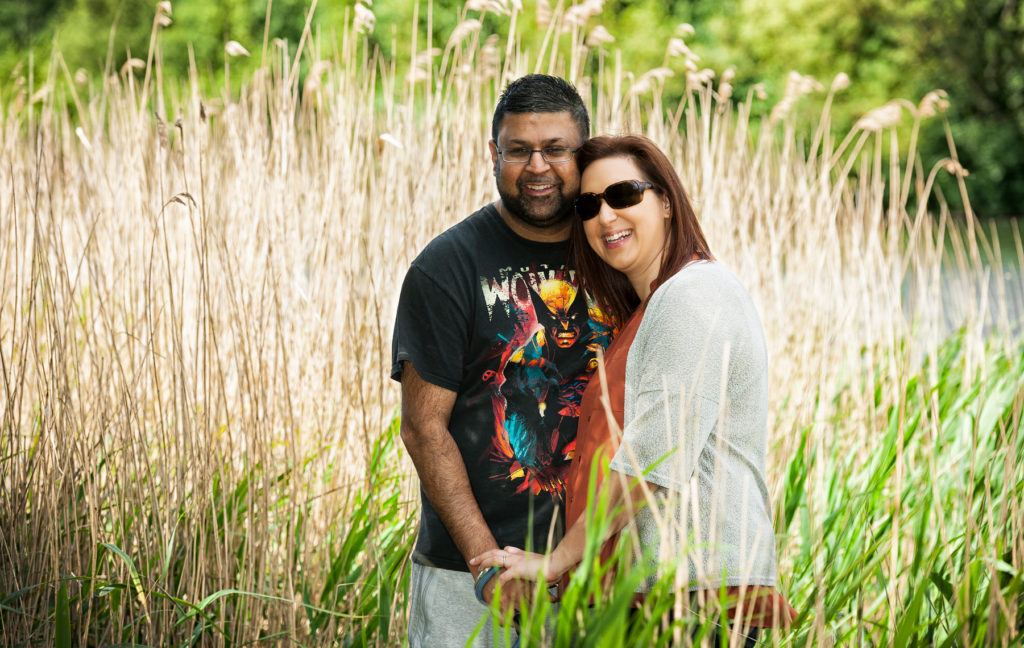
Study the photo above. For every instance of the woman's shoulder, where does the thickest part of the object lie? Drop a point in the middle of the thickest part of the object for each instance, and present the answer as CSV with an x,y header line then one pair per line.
x,y
702,296
699,283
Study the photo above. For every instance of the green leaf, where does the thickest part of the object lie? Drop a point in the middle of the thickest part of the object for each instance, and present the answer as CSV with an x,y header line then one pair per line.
x,y
943,586
136,581
62,631
908,624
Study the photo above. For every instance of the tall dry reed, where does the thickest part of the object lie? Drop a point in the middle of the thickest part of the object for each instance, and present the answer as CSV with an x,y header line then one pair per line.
x,y
196,305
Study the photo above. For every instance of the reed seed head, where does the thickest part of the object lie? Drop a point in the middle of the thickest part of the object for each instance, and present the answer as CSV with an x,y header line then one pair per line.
x,y
234,48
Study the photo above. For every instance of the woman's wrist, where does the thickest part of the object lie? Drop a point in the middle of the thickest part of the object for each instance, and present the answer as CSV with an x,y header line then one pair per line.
x,y
556,566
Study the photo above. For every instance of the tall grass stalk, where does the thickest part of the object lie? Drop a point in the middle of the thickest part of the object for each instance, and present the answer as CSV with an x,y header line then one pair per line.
x,y
196,424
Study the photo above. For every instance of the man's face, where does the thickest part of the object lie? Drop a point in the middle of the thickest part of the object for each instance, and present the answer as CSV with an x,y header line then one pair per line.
x,y
537,192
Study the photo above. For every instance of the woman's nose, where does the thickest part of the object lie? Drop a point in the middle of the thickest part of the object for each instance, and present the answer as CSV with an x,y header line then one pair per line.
x,y
606,214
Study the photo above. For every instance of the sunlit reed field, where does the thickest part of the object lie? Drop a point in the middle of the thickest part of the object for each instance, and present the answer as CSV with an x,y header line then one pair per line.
x,y
197,431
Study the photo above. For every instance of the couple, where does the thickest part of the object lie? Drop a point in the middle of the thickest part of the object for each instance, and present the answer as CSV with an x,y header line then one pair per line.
x,y
500,322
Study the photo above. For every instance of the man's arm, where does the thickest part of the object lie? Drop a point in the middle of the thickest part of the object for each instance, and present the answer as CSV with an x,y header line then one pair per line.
x,y
426,410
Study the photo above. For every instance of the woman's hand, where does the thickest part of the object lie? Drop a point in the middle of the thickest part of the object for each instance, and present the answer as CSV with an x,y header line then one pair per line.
x,y
517,564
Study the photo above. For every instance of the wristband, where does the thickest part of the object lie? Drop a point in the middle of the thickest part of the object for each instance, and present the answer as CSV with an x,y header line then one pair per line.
x,y
482,579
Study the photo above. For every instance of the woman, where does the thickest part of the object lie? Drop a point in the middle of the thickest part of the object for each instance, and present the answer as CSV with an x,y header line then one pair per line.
x,y
686,381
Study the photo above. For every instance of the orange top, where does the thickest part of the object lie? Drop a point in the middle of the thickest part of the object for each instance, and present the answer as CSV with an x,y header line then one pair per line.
x,y
594,438
764,607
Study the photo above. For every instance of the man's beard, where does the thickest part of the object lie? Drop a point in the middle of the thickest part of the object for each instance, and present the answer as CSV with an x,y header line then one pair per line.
x,y
550,212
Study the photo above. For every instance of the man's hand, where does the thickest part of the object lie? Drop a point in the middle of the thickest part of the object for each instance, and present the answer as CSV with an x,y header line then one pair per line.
x,y
515,595
517,564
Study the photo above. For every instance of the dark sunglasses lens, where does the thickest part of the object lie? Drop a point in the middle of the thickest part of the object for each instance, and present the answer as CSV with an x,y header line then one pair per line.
x,y
587,206
623,194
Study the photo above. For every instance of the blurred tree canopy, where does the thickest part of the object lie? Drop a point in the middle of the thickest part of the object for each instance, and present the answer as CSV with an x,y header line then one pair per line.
x,y
973,50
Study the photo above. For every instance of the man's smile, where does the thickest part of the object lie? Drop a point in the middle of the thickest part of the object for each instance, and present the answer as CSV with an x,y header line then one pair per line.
x,y
538,188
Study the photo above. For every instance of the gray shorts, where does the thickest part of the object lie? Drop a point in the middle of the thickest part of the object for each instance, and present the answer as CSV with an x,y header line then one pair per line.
x,y
444,612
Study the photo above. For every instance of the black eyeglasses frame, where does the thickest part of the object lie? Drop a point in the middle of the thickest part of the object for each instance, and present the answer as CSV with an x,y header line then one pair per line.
x,y
572,152
615,201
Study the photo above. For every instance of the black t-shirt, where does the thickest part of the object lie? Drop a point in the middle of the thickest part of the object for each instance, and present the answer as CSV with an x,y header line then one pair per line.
x,y
498,319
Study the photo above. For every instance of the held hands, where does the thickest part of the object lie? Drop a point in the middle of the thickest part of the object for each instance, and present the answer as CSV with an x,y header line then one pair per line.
x,y
514,596
517,565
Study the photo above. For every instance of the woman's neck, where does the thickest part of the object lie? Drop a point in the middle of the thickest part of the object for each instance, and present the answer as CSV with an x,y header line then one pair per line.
x,y
641,280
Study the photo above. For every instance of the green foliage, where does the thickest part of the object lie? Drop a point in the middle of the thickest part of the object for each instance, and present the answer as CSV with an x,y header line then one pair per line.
x,y
957,437
819,38
365,588
368,570
973,50
21,23
908,538
974,455
62,630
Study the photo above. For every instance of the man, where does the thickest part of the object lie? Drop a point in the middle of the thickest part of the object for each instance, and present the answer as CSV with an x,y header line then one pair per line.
x,y
493,345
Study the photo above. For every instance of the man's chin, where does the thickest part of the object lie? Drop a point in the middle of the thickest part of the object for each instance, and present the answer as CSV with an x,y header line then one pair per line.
x,y
547,217
550,221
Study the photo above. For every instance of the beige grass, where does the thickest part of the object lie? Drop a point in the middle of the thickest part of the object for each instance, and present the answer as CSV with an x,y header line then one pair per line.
x,y
201,299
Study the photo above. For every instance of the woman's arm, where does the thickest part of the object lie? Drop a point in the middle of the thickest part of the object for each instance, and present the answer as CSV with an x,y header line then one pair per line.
x,y
625,501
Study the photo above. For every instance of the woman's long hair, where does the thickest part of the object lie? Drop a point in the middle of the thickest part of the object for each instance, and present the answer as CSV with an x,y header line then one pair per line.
x,y
685,241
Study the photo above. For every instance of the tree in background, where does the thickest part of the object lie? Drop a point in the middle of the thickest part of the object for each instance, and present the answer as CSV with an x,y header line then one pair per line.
x,y
20,22
819,38
25,27
974,50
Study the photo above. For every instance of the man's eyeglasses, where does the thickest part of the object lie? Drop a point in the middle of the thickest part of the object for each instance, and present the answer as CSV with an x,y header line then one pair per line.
x,y
618,195
522,155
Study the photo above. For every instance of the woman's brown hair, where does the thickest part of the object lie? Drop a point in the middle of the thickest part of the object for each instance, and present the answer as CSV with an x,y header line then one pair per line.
x,y
610,288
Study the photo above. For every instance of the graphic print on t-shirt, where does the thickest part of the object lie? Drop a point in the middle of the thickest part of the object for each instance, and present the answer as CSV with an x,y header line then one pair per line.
x,y
535,406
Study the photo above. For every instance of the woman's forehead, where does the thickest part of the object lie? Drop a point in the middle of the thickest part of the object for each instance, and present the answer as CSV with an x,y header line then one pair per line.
x,y
604,171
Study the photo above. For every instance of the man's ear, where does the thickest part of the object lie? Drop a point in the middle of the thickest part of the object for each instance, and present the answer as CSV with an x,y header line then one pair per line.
x,y
494,155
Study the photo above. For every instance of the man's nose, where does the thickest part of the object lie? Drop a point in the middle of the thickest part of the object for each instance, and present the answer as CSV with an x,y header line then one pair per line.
x,y
537,162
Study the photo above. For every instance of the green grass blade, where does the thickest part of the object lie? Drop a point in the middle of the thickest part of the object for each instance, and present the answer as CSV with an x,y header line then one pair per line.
x,y
62,629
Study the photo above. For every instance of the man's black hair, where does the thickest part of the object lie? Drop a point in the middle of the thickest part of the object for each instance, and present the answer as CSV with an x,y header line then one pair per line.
x,y
541,93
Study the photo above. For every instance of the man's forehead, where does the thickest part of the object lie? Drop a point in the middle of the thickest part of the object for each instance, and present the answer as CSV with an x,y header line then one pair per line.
x,y
542,127
510,138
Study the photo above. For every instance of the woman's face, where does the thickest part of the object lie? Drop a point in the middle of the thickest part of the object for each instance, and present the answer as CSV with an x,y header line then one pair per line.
x,y
629,239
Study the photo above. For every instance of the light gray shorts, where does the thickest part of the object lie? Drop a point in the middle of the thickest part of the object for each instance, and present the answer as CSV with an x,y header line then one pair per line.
x,y
444,612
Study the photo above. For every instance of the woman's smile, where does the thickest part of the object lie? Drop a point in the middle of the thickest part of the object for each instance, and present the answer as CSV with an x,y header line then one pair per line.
x,y
630,239
617,238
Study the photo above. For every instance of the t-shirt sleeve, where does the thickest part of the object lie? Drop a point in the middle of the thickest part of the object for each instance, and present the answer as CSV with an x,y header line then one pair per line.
x,y
431,331
678,386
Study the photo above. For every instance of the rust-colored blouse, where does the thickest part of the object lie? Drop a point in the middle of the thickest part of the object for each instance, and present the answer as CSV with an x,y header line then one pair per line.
x,y
764,607
595,438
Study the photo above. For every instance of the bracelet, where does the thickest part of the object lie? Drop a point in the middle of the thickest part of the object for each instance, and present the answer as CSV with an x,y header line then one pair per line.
x,y
482,579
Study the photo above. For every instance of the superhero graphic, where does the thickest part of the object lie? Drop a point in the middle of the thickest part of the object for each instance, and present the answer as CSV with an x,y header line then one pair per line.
x,y
535,405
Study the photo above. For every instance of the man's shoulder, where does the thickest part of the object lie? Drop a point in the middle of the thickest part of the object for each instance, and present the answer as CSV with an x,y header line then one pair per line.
x,y
463,239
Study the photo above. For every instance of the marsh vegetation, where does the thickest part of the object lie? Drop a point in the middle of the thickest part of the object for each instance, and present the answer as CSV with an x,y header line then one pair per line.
x,y
197,431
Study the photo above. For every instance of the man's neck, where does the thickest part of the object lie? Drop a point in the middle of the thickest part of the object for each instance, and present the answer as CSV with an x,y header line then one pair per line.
x,y
555,234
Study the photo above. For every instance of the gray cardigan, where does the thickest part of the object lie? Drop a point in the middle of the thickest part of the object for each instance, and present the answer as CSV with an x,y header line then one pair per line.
x,y
695,426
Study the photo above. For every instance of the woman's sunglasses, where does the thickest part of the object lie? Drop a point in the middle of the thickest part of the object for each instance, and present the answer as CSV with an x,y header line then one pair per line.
x,y
618,196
